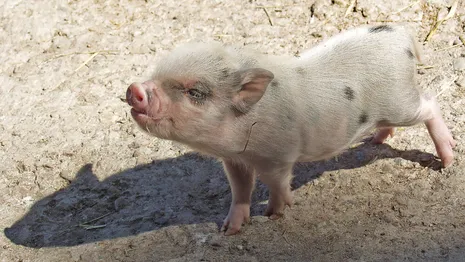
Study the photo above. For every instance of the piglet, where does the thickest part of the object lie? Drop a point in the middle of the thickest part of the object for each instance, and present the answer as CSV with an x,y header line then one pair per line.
x,y
260,114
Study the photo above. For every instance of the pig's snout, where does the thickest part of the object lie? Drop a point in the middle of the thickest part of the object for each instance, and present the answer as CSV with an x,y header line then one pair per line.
x,y
137,97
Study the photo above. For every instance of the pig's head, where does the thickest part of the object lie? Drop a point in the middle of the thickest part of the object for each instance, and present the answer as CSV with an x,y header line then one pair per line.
x,y
198,94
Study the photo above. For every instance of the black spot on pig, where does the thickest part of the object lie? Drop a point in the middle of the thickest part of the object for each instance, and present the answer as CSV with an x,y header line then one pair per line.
x,y
275,83
409,53
363,118
349,93
300,70
381,28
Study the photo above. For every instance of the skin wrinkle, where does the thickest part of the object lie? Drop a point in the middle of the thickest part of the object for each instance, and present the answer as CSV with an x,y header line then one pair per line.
x,y
248,138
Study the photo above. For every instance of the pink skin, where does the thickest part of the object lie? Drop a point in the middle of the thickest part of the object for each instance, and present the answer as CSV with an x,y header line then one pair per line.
x,y
151,109
137,98
443,140
382,134
241,180
219,123
278,179
430,114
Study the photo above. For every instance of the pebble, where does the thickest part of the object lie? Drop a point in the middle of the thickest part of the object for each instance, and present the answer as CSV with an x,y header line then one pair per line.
x,y
260,219
459,63
460,82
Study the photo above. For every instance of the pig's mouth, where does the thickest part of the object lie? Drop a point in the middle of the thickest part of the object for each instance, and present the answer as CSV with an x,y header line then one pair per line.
x,y
142,116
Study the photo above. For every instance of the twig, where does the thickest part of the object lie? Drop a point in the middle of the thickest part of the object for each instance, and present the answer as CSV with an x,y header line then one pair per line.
x,y
426,67
268,15
86,227
94,54
447,48
449,15
82,53
351,7
87,61
397,21
220,35
59,84
65,178
271,6
462,39
446,87
285,239
85,224
407,7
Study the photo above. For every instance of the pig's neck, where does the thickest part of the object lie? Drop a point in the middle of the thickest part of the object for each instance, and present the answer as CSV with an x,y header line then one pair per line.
x,y
252,136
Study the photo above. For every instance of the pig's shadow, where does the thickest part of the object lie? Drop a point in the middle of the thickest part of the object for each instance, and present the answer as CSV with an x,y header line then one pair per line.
x,y
183,190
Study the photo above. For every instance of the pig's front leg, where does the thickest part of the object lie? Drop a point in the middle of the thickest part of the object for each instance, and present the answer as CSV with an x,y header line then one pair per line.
x,y
241,180
278,179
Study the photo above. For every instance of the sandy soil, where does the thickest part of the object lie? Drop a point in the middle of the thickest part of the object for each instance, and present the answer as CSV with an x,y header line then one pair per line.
x,y
80,182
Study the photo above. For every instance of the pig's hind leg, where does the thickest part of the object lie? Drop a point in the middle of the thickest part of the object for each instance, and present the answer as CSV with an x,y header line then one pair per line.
x,y
429,113
241,180
382,134
440,133
278,180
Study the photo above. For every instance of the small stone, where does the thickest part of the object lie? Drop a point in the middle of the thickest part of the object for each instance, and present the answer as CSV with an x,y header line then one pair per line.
x,y
460,82
216,240
216,244
136,153
239,247
387,168
260,219
459,63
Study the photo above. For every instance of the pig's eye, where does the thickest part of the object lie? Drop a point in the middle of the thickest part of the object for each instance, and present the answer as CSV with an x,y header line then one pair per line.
x,y
194,93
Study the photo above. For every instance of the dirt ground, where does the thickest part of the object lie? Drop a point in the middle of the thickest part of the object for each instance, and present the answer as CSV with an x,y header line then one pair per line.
x,y
80,182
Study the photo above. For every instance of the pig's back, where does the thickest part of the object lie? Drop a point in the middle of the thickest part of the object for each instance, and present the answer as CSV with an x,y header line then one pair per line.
x,y
351,82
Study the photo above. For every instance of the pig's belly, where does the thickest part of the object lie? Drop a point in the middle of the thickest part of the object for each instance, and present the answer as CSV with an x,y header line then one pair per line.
x,y
323,143
324,154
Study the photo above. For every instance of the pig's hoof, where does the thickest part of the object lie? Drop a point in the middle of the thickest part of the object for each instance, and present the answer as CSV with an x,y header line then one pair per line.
x,y
445,152
382,134
238,215
276,206
274,213
276,216
443,140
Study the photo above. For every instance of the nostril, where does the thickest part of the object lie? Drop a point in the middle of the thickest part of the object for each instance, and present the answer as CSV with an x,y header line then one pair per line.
x,y
139,98
128,95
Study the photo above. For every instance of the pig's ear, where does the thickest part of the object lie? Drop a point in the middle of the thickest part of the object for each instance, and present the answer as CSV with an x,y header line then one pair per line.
x,y
253,84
